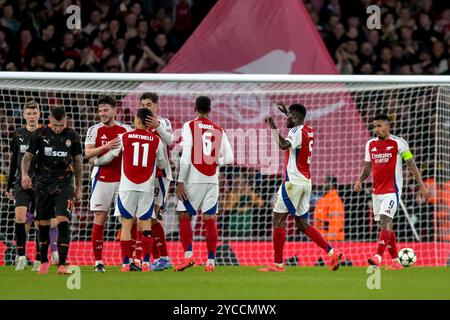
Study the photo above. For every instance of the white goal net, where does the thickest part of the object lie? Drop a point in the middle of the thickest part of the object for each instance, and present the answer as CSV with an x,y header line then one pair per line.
x,y
340,113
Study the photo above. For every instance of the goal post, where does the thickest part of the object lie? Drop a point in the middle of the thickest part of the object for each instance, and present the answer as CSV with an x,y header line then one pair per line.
x,y
339,108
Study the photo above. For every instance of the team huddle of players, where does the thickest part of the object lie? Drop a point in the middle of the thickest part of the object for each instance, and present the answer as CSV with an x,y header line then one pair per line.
x,y
132,171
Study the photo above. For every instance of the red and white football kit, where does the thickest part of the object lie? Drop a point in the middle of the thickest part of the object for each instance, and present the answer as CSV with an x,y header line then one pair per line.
x,y
386,158
205,148
163,176
295,192
105,178
142,152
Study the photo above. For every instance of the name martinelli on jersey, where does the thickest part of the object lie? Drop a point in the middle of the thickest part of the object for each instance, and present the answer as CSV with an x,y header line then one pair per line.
x,y
141,137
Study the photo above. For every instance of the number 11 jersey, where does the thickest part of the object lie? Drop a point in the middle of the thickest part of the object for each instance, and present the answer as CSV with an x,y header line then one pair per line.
x,y
142,151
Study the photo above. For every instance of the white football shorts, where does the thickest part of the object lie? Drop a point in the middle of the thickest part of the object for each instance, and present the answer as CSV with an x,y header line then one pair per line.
x,y
200,196
293,199
103,195
162,185
135,204
386,204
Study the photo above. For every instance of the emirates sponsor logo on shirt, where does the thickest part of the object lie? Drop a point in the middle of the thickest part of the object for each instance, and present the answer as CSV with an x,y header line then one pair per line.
x,y
382,157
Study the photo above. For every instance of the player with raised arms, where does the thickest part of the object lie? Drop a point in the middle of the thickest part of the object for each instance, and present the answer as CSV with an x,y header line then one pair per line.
x,y
383,158
100,139
295,191
58,160
205,148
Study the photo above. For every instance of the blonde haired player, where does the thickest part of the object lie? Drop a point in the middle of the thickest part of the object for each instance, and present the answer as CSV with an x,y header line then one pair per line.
x,y
24,200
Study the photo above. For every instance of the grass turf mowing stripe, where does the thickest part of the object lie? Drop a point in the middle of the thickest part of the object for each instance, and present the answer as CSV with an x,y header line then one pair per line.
x,y
297,283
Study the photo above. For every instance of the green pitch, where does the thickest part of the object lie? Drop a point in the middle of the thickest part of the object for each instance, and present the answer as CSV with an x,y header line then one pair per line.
x,y
297,283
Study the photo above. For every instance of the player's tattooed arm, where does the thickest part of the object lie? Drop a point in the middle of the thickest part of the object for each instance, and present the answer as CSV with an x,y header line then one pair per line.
x,y
412,167
282,142
26,162
78,171
367,169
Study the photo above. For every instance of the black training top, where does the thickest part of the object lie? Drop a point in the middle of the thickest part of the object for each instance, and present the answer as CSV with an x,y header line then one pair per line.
x,y
18,146
55,154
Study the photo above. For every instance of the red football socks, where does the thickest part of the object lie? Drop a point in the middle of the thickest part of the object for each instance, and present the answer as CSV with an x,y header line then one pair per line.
x,y
211,237
317,238
279,238
139,245
133,237
186,234
125,248
392,247
97,241
147,244
159,237
385,238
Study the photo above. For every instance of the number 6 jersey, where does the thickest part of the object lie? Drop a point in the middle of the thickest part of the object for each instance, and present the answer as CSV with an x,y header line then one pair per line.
x,y
205,147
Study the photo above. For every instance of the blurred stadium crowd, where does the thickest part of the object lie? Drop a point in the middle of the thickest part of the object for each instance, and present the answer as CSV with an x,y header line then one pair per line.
x,y
414,37
142,36
116,35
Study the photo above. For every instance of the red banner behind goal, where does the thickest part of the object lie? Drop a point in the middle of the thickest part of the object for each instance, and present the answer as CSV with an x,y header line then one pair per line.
x,y
247,253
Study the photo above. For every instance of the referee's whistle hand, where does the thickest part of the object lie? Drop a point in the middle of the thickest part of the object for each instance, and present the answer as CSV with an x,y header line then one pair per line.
x,y
26,182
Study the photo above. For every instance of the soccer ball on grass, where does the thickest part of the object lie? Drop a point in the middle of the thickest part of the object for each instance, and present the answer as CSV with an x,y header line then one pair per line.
x,y
407,257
